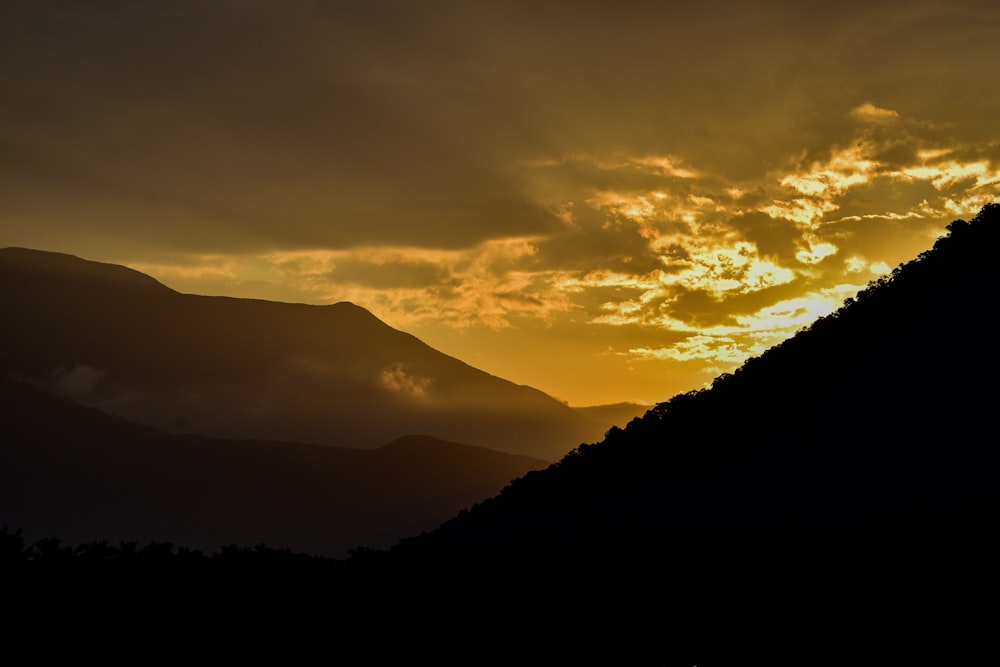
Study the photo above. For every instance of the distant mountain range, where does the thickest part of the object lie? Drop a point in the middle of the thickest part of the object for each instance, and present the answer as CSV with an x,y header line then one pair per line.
x,y
115,339
74,472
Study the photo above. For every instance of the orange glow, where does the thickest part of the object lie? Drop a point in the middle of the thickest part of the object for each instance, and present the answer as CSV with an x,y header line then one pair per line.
x,y
509,191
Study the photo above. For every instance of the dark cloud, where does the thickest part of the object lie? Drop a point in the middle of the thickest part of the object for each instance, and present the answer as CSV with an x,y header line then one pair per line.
x,y
598,241
703,309
751,302
389,274
519,298
980,150
773,238
593,298
698,308
343,124
288,129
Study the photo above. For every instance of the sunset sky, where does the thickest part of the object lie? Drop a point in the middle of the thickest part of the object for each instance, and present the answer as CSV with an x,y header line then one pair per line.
x,y
607,201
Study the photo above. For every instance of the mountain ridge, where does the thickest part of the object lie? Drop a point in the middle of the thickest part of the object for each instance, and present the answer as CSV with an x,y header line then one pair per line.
x,y
851,417
118,340
833,501
72,471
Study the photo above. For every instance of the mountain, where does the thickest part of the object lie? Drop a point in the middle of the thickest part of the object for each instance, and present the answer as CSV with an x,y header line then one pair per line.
x,y
613,414
835,500
881,409
76,473
112,338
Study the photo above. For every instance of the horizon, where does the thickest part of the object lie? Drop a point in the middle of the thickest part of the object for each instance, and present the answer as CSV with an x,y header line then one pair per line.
x,y
607,204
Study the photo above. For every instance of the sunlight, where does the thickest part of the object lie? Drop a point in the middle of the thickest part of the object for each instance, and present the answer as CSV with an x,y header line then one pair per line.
x,y
665,166
870,112
603,278
791,314
721,349
720,268
845,169
802,211
816,253
942,176
629,206
969,204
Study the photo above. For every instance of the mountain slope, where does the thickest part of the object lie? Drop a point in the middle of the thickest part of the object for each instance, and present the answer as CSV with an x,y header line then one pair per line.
x,y
834,501
78,474
617,414
112,338
879,410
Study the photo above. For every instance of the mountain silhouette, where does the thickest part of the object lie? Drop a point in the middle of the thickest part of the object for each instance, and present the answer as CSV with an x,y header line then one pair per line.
x,y
74,472
613,414
112,338
835,500
881,410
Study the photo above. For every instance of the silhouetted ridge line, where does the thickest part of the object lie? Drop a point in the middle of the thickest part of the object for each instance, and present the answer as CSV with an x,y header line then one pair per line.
x,y
112,338
874,415
74,473
834,501
71,269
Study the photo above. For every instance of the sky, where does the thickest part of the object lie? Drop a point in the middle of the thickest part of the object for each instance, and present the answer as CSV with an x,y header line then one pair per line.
x,y
607,201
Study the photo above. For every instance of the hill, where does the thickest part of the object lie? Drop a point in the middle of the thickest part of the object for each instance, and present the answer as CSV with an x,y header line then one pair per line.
x,y
835,500
78,474
112,338
882,409
613,414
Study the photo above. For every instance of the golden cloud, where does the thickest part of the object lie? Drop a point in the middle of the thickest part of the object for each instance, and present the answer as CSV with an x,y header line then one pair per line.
x,y
651,241
816,252
699,347
871,113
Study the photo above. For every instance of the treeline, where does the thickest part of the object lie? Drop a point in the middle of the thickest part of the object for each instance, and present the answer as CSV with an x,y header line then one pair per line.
x,y
49,552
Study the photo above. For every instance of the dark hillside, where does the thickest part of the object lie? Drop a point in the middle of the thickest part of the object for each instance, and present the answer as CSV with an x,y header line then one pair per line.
x,y
884,407
851,471
77,474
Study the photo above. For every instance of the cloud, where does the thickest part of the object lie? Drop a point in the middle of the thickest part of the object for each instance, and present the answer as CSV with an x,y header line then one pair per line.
x,y
814,253
399,379
480,286
868,112
267,129
659,242
694,348
482,167
775,237
389,273
697,308
333,127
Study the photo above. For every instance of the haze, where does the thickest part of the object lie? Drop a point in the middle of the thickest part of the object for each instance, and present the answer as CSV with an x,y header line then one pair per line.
x,y
607,202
